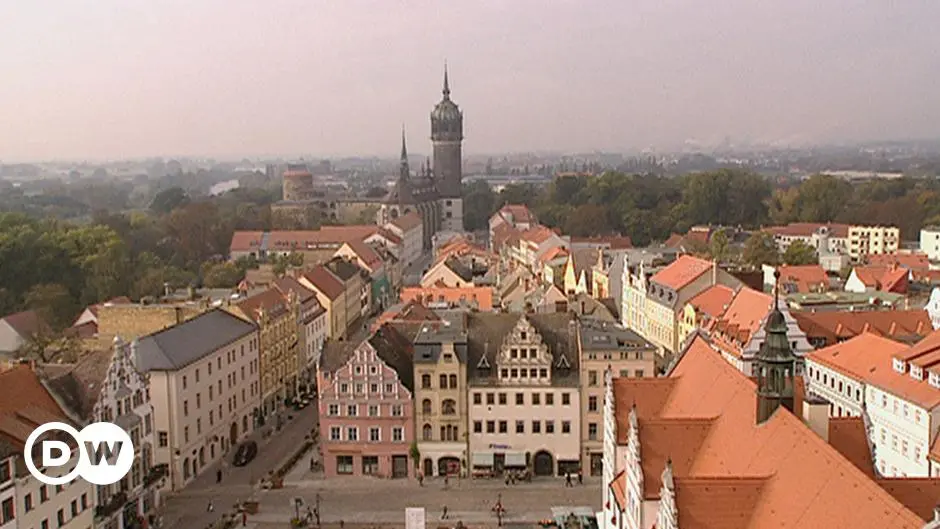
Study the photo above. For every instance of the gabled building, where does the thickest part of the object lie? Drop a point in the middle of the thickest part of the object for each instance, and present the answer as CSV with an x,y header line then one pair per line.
x,y
578,278
827,328
25,502
312,326
739,331
511,217
796,279
371,262
525,404
441,407
896,387
864,279
16,330
410,229
366,407
357,289
105,386
707,446
449,272
703,309
205,388
331,295
277,318
605,346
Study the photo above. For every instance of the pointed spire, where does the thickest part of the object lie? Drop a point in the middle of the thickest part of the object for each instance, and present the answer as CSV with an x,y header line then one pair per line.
x,y
446,83
404,148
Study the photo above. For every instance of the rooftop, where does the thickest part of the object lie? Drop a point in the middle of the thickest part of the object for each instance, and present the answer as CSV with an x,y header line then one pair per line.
x,y
180,345
681,272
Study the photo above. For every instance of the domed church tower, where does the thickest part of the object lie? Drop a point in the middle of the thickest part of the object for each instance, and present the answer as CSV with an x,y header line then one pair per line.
x,y
446,137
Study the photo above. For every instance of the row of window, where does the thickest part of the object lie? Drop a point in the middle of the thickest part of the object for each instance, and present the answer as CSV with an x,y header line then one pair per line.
x,y
373,410
232,400
536,400
76,507
536,427
374,434
532,372
388,388
901,446
445,382
230,357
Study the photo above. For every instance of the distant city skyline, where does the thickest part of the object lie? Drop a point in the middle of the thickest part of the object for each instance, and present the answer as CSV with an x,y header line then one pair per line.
x,y
135,79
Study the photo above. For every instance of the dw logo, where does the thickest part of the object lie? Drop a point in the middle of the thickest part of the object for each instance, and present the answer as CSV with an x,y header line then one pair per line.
x,y
106,453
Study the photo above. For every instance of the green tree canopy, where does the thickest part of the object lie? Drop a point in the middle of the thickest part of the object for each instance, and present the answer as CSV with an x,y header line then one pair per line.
x,y
800,253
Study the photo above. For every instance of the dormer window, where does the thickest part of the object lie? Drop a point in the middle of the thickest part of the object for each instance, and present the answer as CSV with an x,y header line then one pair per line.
x,y
917,373
523,335
900,365
935,380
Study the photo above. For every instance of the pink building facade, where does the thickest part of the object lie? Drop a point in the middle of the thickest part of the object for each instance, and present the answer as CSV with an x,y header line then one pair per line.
x,y
366,414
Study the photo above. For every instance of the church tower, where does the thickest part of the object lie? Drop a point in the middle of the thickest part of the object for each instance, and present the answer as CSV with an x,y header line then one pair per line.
x,y
446,137
775,365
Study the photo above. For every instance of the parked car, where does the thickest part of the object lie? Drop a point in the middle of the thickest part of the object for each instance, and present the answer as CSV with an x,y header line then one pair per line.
x,y
245,453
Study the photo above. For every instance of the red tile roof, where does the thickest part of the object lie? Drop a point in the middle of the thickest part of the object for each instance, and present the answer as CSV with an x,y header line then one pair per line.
x,y
324,281
920,495
885,279
834,326
517,214
286,240
911,261
869,358
271,301
712,301
388,234
407,222
536,235
734,328
808,483
806,229
718,502
24,405
365,253
804,278
848,436
681,272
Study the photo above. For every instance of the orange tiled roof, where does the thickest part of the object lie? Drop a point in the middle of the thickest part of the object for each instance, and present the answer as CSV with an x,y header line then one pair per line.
x,y
681,272
808,483
848,436
869,358
718,502
619,487
911,261
935,449
536,234
270,301
365,252
741,319
833,326
552,253
920,495
885,279
324,280
520,214
24,405
806,278
712,301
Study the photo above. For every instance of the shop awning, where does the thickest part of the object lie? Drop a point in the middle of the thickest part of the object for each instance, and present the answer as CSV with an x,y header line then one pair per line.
x,y
482,459
515,459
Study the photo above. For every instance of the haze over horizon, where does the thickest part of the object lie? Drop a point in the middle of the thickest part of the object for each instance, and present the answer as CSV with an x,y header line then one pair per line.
x,y
132,78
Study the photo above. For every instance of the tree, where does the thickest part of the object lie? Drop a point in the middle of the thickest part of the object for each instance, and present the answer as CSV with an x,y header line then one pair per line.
x,y
415,454
719,245
54,304
479,202
800,253
587,220
822,198
169,199
761,249
221,275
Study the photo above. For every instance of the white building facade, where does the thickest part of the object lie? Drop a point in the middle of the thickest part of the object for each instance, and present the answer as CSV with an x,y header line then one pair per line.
x,y
930,242
205,388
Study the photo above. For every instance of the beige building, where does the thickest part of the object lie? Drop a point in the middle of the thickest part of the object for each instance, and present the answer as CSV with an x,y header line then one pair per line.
x,y
205,389
311,328
25,502
278,318
524,398
602,346
872,240
441,411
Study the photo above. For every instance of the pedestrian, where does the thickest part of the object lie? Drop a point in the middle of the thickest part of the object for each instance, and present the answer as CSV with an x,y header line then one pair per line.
x,y
568,479
580,477
444,514
316,514
342,524
244,518
446,480
210,507
218,476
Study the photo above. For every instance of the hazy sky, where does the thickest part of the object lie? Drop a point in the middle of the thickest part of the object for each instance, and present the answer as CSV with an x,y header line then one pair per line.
x,y
130,78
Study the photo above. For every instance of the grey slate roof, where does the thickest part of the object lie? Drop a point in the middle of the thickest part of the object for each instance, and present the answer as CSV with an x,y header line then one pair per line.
x,y
180,345
395,349
487,331
459,268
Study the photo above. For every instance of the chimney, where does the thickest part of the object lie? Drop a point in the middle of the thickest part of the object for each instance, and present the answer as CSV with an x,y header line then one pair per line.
x,y
179,314
714,272
816,415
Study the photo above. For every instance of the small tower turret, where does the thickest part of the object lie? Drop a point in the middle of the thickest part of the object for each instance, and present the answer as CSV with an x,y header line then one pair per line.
x,y
775,364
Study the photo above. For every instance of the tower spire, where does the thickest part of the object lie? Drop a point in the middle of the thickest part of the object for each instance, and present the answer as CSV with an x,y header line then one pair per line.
x,y
446,83
403,171
775,364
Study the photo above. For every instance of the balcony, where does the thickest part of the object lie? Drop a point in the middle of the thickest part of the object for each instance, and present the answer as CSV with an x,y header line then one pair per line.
x,y
112,506
155,474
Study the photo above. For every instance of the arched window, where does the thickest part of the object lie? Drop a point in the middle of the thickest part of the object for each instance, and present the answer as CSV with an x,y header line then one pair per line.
x,y
443,381
444,434
453,382
449,407
426,432
425,381
186,468
426,406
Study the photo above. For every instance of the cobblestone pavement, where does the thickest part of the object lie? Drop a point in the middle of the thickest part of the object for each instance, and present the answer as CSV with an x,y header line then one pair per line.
x,y
188,509
361,500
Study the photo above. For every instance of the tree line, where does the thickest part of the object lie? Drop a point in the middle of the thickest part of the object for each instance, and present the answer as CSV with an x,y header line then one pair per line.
x,y
649,207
